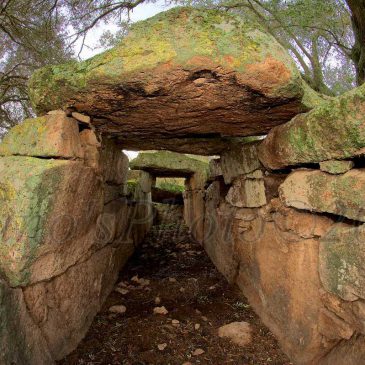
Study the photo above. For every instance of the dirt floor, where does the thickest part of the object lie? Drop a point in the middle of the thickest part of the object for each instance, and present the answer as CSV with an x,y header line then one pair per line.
x,y
170,270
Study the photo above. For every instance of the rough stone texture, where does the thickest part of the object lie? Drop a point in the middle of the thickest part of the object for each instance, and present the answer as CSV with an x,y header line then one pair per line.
x,y
114,162
36,223
206,146
342,256
239,159
336,167
215,169
321,192
238,332
333,130
194,212
191,72
49,136
165,163
21,341
350,352
272,183
277,249
218,241
64,307
247,191
91,147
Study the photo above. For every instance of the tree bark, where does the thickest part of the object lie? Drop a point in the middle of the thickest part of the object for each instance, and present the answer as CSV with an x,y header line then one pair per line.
x,y
357,8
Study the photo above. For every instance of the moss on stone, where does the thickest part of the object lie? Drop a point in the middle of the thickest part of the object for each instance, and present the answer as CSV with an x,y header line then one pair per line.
x,y
27,187
182,37
332,130
165,163
341,261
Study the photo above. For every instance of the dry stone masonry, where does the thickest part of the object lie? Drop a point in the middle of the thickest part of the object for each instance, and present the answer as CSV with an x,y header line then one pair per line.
x,y
281,217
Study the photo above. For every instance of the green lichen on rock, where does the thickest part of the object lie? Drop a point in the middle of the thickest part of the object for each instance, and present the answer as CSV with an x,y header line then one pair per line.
x,y
27,186
47,136
336,167
332,130
181,37
317,191
341,262
165,163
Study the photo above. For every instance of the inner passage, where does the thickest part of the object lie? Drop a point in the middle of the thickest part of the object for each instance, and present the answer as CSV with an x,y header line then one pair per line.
x,y
170,302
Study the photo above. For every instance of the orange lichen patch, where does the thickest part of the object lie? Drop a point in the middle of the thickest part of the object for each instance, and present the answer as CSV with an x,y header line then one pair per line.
x,y
265,76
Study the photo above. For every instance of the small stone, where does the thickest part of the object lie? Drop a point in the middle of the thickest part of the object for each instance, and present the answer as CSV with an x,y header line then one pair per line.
x,y
197,326
162,346
175,322
336,167
118,309
81,117
205,319
160,310
157,300
172,280
198,352
182,290
121,290
238,332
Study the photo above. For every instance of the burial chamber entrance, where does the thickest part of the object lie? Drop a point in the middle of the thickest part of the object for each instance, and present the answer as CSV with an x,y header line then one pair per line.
x,y
279,209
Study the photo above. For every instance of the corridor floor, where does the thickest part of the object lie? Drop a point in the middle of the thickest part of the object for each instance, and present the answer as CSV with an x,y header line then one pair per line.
x,y
170,270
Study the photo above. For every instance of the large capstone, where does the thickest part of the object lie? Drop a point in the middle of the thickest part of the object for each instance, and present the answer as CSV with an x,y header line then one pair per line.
x,y
185,73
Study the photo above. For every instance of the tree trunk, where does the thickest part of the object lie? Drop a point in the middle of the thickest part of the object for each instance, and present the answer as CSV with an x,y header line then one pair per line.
x,y
357,8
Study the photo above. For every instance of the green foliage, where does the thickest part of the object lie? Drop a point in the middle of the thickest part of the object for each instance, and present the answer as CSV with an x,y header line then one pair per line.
x,y
168,186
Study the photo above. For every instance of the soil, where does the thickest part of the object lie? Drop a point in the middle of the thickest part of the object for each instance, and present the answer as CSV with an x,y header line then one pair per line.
x,y
169,265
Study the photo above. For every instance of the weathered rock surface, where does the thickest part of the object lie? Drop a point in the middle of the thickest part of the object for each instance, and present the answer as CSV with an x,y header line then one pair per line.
x,y
218,241
182,73
317,191
277,250
49,136
336,167
165,163
215,169
333,130
114,163
238,332
36,223
239,159
205,146
64,307
21,341
342,255
247,191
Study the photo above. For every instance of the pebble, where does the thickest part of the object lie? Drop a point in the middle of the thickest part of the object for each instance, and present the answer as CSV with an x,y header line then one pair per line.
x,y
157,300
172,280
162,346
198,352
239,333
121,291
118,309
197,326
160,310
175,322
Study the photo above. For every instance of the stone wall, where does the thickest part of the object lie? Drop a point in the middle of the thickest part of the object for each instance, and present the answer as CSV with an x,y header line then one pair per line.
x,y
291,235
68,224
